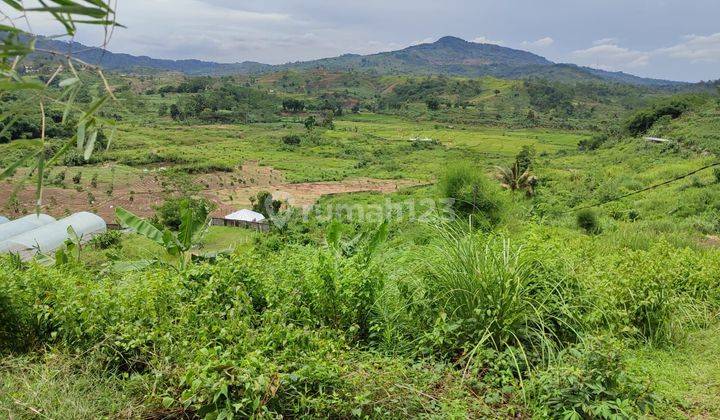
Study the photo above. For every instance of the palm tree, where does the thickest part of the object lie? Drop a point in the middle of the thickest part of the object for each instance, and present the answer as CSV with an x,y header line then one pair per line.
x,y
512,179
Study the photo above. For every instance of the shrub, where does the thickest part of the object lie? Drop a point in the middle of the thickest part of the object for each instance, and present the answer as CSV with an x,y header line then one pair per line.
x,y
473,193
292,140
716,173
589,381
643,120
587,220
168,214
106,240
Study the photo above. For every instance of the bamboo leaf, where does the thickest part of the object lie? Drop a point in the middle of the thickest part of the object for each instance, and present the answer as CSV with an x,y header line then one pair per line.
x,y
80,136
71,10
90,146
10,170
14,4
93,108
68,82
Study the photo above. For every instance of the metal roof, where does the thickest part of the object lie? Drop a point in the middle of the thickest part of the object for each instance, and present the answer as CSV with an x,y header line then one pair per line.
x,y
246,215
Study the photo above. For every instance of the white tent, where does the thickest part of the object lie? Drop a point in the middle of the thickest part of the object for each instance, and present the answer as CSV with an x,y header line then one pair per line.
x,y
50,237
246,215
24,224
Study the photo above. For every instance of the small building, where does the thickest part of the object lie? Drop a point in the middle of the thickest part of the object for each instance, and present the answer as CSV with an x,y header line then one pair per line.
x,y
245,215
245,219
49,237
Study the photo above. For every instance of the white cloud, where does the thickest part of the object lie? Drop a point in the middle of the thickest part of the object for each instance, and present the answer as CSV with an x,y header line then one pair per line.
x,y
485,40
612,57
428,40
695,48
540,43
606,41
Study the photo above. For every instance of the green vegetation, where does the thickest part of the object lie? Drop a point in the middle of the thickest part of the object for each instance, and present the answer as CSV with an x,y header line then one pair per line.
x,y
552,292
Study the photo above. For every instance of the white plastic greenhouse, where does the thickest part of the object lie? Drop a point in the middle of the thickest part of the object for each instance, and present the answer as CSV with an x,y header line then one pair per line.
x,y
50,237
23,224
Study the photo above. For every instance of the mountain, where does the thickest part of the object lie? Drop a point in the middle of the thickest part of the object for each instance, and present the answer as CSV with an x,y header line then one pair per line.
x,y
449,56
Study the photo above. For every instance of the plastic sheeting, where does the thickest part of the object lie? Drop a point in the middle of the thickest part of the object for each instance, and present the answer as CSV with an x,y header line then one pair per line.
x,y
3,220
50,237
23,224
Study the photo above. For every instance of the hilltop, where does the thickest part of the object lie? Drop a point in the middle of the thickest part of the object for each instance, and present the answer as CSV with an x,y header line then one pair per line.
x,y
448,56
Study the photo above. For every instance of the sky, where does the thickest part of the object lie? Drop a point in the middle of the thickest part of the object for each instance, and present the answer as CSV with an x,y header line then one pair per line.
x,y
668,39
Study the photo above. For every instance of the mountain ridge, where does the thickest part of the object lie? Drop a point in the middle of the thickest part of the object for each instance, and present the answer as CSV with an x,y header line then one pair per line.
x,y
448,55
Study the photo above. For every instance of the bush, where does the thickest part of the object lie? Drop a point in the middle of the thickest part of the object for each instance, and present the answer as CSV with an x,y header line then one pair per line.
x,y
292,140
643,120
106,240
473,193
589,381
168,214
587,220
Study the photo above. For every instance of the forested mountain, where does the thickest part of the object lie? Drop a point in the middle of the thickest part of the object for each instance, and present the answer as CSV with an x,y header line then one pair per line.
x,y
448,55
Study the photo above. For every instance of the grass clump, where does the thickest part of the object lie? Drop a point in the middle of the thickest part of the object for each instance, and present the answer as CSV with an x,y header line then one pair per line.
x,y
472,194
588,221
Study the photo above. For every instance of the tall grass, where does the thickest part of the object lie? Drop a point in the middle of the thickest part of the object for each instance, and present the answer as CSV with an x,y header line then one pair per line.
x,y
487,294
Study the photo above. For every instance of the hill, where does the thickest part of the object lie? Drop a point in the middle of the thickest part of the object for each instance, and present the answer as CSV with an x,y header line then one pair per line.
x,y
449,56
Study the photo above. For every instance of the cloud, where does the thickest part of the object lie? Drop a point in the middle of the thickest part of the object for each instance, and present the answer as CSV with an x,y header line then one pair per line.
x,y
695,48
606,41
485,40
540,43
612,57
428,40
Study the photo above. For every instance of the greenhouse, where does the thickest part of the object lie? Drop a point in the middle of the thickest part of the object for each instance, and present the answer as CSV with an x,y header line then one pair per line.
x,y
51,236
23,224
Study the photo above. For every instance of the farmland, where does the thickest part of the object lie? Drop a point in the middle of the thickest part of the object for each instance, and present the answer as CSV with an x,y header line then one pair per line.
x,y
442,247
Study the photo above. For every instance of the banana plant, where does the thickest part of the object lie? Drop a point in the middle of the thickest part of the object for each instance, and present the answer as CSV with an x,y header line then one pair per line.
x,y
194,224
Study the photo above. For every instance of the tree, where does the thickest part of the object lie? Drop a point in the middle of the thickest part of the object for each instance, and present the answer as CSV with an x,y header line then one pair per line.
x,y
264,204
432,104
514,179
293,105
310,123
17,44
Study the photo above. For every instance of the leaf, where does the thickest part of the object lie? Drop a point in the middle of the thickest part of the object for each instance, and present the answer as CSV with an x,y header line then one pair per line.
x,y
10,170
140,226
39,184
8,85
111,138
71,10
8,126
93,108
14,4
68,82
71,100
127,266
80,137
191,222
90,145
